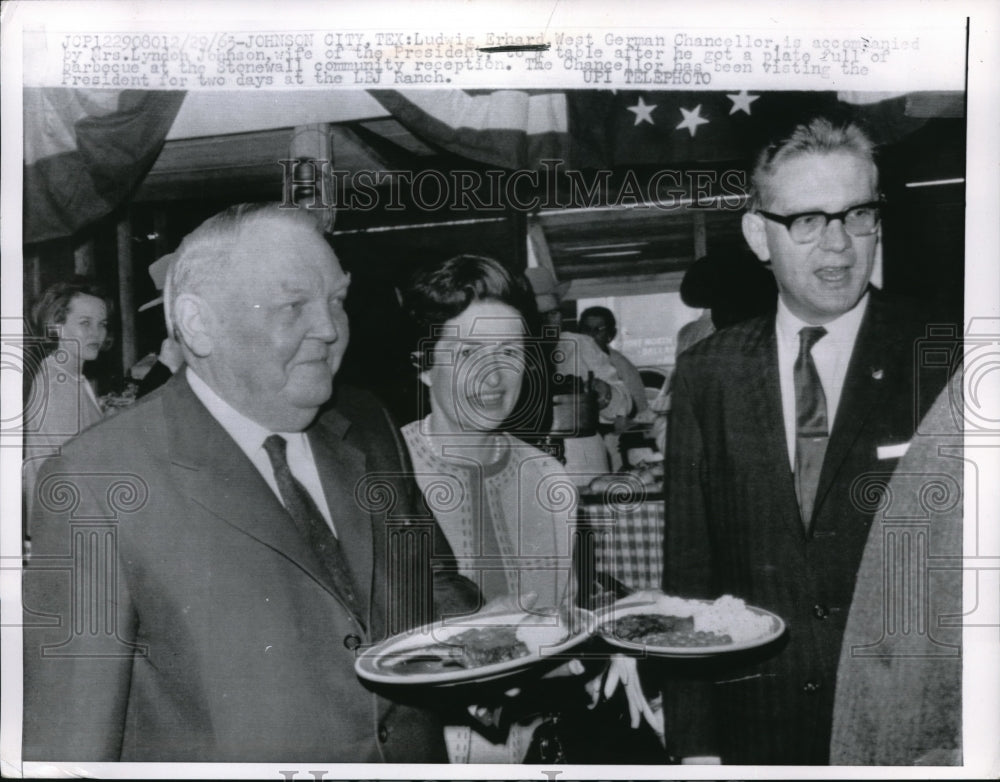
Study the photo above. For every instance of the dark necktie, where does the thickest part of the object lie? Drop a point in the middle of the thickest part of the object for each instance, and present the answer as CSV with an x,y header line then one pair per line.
x,y
311,523
811,426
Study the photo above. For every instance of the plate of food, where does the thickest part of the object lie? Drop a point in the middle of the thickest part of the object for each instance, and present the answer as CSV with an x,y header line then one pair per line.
x,y
665,626
475,648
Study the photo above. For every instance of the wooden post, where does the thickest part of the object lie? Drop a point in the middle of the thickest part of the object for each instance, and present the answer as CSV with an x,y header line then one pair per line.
x,y
160,229
539,244
518,222
32,278
126,293
700,234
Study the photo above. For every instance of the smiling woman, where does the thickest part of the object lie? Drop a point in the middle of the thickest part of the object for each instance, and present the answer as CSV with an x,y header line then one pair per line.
x,y
476,370
505,507
495,496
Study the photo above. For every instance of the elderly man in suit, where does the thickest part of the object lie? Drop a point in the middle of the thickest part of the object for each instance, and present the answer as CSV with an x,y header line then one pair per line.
x,y
774,420
207,564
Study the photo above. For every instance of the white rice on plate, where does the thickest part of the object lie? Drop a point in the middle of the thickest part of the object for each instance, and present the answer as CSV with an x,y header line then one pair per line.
x,y
727,615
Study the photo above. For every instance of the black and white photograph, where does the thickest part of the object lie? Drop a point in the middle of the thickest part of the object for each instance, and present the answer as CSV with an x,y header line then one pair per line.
x,y
500,390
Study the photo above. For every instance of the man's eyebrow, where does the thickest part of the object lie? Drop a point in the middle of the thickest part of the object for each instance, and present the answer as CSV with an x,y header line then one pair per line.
x,y
285,289
294,289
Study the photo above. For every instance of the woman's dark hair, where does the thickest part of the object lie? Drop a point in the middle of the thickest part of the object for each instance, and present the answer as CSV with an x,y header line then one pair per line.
x,y
438,293
52,306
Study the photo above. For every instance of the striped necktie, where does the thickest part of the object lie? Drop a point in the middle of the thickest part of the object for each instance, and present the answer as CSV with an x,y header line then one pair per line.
x,y
811,426
311,524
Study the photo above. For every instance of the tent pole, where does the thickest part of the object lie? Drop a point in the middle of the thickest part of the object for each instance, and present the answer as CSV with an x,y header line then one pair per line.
x,y
126,292
312,142
700,234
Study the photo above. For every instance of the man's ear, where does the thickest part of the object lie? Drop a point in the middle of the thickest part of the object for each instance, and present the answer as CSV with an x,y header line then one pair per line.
x,y
191,318
756,235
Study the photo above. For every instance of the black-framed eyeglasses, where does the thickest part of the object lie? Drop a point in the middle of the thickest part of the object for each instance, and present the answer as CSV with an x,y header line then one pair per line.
x,y
805,227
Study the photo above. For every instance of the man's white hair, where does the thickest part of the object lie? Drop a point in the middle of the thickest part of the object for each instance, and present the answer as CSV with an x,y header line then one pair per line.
x,y
205,258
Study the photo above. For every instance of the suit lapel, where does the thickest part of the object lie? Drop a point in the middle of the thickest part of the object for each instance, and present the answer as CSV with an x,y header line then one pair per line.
x,y
761,387
215,473
341,469
866,386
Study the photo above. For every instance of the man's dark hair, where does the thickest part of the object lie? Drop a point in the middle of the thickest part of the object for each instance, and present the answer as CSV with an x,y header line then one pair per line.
x,y
599,312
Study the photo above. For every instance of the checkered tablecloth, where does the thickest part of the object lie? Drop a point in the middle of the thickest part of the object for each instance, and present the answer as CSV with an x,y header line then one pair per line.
x,y
626,539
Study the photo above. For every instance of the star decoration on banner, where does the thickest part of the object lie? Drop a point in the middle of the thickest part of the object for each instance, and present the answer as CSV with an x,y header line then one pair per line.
x,y
741,102
692,119
643,113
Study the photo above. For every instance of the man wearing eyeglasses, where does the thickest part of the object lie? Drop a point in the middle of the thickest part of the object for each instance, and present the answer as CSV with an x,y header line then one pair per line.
x,y
776,423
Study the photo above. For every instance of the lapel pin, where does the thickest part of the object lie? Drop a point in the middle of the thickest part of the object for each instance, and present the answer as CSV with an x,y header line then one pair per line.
x,y
877,374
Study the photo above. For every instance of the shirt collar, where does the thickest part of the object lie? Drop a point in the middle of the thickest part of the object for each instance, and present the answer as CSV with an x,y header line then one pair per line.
x,y
842,329
248,434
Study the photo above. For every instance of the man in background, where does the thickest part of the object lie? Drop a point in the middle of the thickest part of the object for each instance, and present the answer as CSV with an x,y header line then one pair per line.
x,y
730,286
773,422
157,369
599,324
578,355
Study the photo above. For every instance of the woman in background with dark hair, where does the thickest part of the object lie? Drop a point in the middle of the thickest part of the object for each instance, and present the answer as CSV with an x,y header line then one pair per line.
x,y
72,317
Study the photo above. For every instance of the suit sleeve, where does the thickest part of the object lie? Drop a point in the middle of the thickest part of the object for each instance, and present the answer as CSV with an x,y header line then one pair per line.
x,y
79,625
687,569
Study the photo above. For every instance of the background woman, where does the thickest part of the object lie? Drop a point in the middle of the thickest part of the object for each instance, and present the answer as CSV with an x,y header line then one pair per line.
x,y
72,318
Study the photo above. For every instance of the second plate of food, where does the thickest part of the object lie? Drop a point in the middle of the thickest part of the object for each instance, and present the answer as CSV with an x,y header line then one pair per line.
x,y
665,626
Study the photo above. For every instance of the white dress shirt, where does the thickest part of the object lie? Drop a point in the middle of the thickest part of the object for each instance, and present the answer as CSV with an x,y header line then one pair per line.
x,y
250,436
831,355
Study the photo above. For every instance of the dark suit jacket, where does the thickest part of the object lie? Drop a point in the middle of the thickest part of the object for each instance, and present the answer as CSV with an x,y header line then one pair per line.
x,y
733,527
174,613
